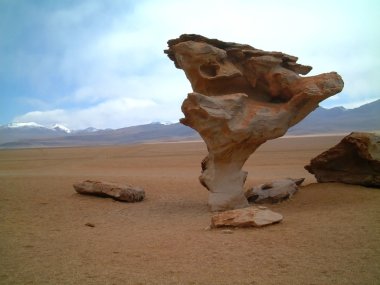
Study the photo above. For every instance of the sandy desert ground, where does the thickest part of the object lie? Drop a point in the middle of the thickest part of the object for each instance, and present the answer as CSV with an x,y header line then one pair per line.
x,y
330,233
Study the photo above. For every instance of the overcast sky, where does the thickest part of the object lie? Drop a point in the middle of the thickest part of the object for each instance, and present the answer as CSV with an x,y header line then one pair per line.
x,y
100,63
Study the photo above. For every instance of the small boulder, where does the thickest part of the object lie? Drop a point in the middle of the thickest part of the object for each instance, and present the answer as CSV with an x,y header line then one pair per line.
x,y
246,217
116,191
273,192
354,160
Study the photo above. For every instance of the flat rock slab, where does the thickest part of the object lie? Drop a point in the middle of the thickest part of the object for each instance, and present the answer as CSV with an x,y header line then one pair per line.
x,y
120,192
246,217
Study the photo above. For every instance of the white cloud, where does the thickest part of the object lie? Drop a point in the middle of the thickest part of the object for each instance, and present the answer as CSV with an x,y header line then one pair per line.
x,y
115,113
118,62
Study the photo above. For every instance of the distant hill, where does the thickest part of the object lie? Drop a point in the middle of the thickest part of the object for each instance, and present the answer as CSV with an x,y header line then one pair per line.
x,y
321,121
340,120
29,131
31,136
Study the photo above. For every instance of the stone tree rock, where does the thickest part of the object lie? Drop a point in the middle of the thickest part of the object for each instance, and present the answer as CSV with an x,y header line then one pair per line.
x,y
355,160
242,97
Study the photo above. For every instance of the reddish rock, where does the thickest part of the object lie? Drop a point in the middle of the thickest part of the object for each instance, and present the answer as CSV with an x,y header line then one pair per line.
x,y
119,192
242,97
355,160
246,217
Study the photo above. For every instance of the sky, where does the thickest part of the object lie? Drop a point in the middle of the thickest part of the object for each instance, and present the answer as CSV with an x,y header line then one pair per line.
x,y
99,63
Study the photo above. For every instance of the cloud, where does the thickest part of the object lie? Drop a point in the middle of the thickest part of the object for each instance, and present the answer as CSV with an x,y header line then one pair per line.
x,y
115,113
94,56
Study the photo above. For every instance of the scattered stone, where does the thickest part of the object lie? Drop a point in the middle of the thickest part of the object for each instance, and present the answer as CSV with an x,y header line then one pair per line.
x,y
242,97
125,193
246,217
227,232
262,207
274,192
91,225
354,160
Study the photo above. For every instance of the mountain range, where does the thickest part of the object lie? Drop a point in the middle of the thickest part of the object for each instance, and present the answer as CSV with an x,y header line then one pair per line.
x,y
320,121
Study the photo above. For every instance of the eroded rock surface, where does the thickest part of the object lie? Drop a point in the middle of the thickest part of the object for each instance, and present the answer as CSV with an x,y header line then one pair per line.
x,y
274,192
354,160
242,97
119,192
246,217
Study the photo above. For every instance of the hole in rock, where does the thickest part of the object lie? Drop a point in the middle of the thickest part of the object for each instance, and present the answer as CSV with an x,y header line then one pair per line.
x,y
209,69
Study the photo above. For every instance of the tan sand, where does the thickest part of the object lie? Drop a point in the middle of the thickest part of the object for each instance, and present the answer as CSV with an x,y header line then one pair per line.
x,y
330,234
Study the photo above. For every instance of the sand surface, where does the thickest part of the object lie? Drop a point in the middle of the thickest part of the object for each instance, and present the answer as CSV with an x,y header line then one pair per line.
x,y
330,233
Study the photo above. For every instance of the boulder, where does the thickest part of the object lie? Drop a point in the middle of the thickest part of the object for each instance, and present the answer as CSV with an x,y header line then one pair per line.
x,y
246,217
125,193
274,192
354,160
242,97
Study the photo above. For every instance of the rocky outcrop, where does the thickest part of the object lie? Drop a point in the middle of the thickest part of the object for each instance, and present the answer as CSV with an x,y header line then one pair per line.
x,y
273,192
125,193
247,217
355,160
242,97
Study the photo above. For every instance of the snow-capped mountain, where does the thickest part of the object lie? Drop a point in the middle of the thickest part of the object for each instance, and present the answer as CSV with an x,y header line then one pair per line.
x,y
30,130
165,123
89,130
30,125
321,121
62,128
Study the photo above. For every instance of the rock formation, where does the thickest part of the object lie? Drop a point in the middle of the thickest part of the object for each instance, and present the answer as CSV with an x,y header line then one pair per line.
x,y
247,217
274,192
355,160
125,193
242,97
